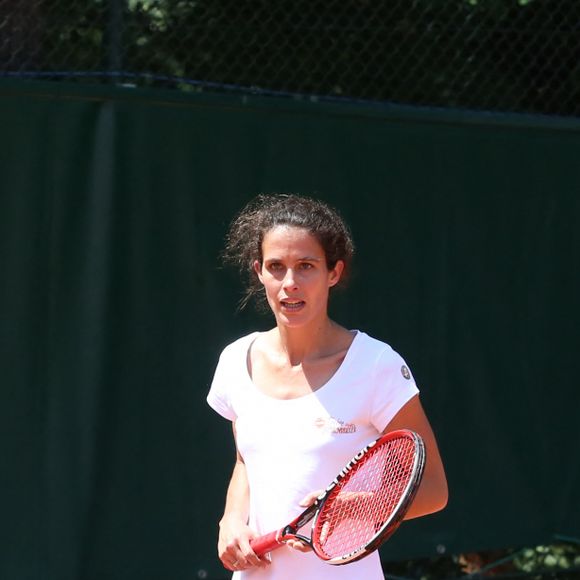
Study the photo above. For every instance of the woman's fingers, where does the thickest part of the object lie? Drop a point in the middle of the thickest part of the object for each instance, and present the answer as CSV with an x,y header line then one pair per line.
x,y
298,545
234,548
249,558
309,499
238,555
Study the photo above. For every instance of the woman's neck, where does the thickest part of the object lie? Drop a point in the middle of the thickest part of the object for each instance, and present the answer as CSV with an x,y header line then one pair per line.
x,y
302,344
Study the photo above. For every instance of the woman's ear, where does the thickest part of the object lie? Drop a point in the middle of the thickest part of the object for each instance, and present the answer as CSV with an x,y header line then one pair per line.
x,y
335,274
258,270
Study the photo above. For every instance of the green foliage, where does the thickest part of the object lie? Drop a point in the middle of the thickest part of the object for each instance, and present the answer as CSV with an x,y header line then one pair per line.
x,y
558,561
550,558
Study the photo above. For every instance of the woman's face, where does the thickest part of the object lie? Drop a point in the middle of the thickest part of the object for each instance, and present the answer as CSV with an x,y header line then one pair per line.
x,y
295,275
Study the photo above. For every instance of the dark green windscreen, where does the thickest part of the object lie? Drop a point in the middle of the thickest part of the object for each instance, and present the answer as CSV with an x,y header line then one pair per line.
x,y
113,310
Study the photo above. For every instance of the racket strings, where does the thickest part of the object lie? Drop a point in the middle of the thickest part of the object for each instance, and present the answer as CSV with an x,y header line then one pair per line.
x,y
364,503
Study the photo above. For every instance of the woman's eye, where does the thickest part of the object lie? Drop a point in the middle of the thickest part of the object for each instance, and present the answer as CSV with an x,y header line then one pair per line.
x,y
275,267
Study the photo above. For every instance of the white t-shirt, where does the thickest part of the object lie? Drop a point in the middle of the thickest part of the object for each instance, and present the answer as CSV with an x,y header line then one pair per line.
x,y
297,446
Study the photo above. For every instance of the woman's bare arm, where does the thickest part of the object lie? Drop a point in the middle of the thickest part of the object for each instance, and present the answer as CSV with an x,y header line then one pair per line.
x,y
432,494
234,535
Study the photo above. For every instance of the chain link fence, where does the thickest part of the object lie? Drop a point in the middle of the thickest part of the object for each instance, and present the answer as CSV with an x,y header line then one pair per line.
x,y
493,55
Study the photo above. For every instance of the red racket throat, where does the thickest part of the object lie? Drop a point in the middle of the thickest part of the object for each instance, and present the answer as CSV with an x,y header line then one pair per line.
x,y
368,501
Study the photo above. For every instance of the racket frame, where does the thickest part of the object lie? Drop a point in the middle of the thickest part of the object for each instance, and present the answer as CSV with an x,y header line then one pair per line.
x,y
398,513
275,539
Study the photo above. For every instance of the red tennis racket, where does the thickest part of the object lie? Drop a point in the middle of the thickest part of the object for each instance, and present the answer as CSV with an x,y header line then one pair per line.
x,y
363,506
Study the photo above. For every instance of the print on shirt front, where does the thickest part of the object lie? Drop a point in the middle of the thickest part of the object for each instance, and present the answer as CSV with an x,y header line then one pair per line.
x,y
334,425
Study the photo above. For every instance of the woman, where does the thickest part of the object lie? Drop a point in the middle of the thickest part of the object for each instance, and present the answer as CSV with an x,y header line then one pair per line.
x,y
306,395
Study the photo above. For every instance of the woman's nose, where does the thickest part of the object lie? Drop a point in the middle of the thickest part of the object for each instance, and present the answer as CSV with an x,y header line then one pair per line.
x,y
289,279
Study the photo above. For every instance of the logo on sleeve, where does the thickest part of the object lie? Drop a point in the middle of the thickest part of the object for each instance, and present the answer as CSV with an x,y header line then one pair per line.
x,y
405,372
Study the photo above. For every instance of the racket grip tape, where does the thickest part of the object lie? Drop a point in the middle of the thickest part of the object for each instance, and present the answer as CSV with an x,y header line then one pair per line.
x,y
265,544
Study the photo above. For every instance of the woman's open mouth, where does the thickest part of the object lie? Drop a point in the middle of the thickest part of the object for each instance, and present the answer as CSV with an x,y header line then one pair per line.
x,y
292,305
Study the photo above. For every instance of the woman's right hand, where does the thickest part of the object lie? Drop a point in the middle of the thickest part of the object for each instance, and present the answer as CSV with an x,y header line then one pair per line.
x,y
234,548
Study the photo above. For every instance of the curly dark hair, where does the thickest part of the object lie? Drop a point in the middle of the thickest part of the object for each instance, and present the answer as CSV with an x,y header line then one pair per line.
x,y
266,211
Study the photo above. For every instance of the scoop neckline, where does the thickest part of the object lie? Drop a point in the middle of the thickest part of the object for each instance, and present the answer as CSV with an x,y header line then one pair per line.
x,y
340,370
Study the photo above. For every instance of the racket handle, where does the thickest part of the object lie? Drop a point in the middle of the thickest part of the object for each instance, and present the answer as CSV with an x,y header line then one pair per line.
x,y
265,544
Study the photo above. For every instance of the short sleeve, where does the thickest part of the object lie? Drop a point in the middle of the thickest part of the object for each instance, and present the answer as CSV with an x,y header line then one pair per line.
x,y
219,397
393,387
